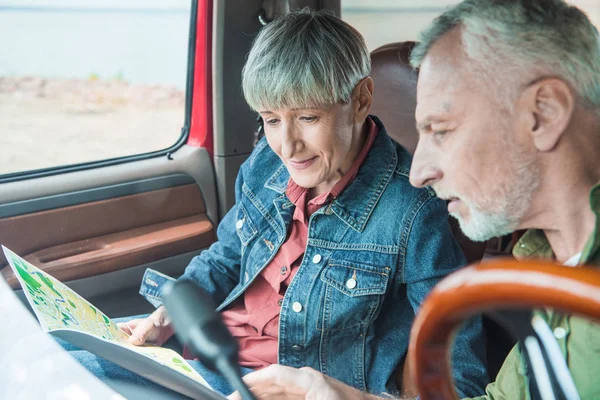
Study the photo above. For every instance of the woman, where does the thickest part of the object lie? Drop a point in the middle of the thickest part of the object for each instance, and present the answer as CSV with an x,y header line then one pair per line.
x,y
328,251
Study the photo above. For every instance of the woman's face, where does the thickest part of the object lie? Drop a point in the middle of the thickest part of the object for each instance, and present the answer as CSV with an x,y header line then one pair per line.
x,y
314,144
318,145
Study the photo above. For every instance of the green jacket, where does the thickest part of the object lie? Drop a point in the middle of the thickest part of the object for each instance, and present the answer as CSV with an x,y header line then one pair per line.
x,y
579,339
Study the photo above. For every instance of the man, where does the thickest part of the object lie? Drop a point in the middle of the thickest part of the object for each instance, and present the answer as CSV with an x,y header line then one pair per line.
x,y
508,110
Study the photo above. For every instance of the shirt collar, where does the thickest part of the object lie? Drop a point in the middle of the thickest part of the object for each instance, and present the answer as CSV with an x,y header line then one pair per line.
x,y
535,244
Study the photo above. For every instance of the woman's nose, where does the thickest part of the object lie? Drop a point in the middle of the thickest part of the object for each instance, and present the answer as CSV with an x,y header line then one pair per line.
x,y
289,142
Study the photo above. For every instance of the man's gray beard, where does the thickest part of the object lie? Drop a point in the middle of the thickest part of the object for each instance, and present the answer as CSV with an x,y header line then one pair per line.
x,y
516,198
484,226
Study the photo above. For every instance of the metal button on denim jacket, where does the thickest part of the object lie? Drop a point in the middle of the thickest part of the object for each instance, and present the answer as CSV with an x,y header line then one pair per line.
x,y
372,256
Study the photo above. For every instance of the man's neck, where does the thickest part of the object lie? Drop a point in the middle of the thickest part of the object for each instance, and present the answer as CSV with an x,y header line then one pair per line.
x,y
567,244
561,205
564,212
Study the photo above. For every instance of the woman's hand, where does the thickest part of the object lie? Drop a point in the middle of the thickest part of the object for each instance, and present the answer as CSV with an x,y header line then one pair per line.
x,y
286,383
155,329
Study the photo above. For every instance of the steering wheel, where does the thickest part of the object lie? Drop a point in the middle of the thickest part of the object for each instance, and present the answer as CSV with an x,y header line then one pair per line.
x,y
498,284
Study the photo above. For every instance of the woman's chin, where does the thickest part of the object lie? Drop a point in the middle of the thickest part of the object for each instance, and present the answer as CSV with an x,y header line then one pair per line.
x,y
304,181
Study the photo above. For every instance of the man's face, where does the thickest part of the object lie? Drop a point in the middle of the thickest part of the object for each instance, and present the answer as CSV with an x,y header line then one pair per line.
x,y
472,150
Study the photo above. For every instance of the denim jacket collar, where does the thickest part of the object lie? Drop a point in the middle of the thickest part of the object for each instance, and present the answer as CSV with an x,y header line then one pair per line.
x,y
279,180
352,206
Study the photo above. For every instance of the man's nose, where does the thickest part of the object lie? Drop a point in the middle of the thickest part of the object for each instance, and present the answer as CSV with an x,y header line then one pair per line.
x,y
424,171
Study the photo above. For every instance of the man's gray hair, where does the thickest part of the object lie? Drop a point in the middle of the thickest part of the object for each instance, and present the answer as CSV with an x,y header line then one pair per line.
x,y
304,59
525,39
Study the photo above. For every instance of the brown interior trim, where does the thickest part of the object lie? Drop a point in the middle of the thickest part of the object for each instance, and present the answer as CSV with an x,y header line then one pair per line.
x,y
108,235
121,250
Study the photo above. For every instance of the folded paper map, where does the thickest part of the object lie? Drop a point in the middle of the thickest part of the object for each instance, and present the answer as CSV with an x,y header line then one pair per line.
x,y
34,366
69,316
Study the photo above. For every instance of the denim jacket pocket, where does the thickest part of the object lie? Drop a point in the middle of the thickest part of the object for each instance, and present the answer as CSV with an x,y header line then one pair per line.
x,y
352,294
152,284
243,225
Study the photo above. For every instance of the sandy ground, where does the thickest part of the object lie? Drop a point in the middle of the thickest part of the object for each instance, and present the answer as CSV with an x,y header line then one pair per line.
x,y
51,122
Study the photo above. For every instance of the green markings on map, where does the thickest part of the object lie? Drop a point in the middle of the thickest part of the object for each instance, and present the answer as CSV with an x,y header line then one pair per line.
x,y
49,283
66,319
33,286
178,363
57,307
29,280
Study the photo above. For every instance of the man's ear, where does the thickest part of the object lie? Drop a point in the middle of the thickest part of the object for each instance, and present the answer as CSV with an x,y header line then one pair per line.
x,y
362,97
550,102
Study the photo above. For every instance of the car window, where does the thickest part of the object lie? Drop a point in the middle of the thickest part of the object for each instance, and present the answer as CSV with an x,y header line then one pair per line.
x,y
89,81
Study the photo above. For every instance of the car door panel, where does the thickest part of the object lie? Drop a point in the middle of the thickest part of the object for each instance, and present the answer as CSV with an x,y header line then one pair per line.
x,y
87,226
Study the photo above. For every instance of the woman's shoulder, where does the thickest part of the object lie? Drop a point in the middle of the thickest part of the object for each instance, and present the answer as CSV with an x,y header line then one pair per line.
x,y
260,152
388,147
399,190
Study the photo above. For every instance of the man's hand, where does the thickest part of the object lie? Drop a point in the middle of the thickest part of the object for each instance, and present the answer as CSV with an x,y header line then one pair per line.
x,y
279,382
156,329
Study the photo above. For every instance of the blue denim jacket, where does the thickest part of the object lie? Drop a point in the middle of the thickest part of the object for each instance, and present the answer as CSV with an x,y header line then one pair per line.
x,y
392,239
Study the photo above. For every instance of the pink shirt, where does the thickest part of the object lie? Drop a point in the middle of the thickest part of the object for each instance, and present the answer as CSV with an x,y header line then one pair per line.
x,y
254,319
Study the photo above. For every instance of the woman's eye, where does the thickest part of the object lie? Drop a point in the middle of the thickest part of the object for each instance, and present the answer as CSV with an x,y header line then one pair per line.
x,y
272,121
308,119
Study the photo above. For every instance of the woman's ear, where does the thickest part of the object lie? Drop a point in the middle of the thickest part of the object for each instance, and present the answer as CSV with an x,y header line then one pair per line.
x,y
550,103
362,97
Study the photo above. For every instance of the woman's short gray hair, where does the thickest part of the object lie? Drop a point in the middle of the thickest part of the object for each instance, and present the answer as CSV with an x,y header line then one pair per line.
x,y
304,59
527,39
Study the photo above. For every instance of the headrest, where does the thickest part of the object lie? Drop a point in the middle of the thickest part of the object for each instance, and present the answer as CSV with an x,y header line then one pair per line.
x,y
395,95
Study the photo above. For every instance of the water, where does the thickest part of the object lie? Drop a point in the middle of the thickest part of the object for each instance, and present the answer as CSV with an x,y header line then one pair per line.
x,y
138,46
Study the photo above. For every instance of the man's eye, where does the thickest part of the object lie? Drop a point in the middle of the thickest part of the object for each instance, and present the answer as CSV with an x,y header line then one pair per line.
x,y
272,121
440,136
308,119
